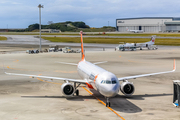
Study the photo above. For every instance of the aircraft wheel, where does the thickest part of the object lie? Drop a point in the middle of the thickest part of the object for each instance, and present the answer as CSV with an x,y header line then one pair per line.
x,y
106,104
77,92
140,48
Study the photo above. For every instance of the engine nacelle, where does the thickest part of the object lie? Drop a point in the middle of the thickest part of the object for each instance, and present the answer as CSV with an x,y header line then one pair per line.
x,y
127,88
67,89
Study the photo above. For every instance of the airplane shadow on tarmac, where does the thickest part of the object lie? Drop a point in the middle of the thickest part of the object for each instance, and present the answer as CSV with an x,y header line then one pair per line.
x,y
122,104
118,103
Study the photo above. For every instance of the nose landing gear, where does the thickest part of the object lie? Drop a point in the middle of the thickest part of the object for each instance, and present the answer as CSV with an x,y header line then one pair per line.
x,y
107,103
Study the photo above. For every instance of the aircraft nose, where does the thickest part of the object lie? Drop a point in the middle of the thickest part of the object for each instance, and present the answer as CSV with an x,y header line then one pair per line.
x,y
112,91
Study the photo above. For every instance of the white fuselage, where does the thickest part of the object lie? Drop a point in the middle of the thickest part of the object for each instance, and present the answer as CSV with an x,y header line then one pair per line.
x,y
147,44
103,81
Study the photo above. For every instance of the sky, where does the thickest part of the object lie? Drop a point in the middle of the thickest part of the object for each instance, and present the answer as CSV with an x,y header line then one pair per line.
x,y
95,13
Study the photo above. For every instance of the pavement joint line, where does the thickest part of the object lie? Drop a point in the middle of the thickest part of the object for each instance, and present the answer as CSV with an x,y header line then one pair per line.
x,y
103,103
89,93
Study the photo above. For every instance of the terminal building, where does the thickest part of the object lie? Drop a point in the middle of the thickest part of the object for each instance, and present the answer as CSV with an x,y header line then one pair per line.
x,y
149,24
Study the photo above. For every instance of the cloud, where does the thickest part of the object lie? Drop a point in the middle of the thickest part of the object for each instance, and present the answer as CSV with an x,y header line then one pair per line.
x,y
16,3
20,13
9,2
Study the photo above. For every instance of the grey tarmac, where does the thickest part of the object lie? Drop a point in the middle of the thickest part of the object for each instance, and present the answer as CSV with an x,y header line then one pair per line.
x,y
25,98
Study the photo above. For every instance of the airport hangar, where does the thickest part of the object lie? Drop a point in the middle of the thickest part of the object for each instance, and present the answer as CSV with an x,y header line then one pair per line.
x,y
149,24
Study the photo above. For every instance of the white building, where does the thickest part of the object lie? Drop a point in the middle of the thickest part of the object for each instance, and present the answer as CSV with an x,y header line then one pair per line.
x,y
149,24
50,31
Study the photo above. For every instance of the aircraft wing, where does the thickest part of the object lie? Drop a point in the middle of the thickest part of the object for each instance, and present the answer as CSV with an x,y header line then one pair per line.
x,y
77,64
144,75
48,77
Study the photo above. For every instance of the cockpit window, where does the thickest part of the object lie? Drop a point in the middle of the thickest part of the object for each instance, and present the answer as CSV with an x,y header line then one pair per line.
x,y
108,82
114,82
103,81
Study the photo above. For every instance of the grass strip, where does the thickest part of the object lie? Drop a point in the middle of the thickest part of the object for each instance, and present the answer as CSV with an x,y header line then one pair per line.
x,y
97,34
3,38
159,41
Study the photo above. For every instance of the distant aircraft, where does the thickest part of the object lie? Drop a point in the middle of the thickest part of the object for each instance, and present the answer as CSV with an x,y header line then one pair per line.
x,y
126,46
135,31
146,44
96,78
133,46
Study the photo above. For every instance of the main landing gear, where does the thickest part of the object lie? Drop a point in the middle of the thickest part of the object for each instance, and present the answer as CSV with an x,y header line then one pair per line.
x,y
107,103
77,91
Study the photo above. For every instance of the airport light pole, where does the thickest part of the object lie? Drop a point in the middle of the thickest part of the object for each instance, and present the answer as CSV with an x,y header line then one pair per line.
x,y
40,6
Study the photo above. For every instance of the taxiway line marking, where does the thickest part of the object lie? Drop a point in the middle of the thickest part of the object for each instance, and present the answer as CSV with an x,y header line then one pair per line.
x,y
16,61
103,103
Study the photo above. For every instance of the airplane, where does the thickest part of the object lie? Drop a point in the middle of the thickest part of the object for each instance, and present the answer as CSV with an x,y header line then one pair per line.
x,y
126,46
95,77
135,31
146,44
133,46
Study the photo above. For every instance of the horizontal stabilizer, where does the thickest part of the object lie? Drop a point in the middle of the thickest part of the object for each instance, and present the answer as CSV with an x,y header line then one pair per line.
x,y
67,63
100,62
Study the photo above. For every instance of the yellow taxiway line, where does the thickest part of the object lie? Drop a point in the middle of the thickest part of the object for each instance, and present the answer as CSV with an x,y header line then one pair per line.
x,y
104,103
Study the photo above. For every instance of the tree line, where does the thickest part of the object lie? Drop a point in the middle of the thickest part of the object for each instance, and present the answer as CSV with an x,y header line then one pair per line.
x,y
65,26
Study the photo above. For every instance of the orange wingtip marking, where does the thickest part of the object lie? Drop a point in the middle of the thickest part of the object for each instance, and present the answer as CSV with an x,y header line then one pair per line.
x,y
89,86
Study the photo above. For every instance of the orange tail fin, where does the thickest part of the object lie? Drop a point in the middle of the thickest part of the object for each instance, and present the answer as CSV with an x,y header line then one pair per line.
x,y
82,47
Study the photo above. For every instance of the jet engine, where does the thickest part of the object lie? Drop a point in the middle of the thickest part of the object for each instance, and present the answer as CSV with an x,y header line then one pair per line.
x,y
67,89
127,88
